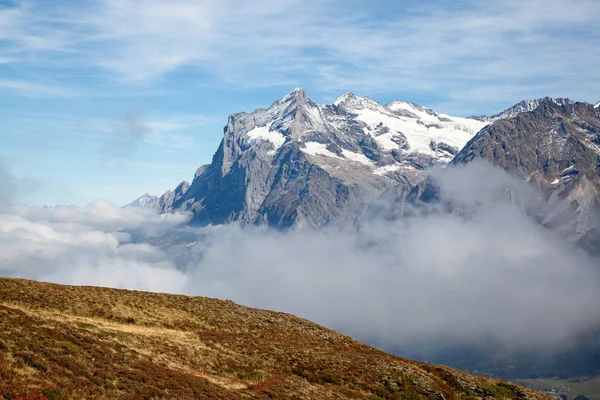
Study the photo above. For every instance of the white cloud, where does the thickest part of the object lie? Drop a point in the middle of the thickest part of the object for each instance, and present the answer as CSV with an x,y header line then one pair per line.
x,y
88,245
100,215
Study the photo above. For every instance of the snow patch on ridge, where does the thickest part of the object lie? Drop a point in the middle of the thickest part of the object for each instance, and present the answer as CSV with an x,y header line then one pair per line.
x,y
358,157
425,114
264,133
386,169
316,148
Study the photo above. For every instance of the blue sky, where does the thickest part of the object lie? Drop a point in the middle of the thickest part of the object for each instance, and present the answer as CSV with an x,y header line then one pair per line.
x,y
108,99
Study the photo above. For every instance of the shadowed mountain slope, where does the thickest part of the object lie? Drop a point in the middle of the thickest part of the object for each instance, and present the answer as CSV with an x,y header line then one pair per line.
x,y
557,148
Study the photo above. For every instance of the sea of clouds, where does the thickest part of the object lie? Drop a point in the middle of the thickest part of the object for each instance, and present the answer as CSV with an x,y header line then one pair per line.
x,y
490,272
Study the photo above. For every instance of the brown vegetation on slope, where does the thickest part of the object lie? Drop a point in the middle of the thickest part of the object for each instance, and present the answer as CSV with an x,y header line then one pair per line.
x,y
64,342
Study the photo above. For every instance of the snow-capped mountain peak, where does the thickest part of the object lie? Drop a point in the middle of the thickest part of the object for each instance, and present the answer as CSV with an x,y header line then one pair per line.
x,y
274,164
526,106
296,95
350,101
300,163
142,201
349,138
597,105
289,117
345,97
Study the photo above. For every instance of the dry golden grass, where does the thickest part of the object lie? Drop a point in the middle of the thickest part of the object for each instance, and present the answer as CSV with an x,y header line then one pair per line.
x,y
64,342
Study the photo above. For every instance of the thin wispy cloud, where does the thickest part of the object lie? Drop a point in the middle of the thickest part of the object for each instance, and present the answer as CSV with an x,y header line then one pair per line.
x,y
437,47
166,132
132,127
33,88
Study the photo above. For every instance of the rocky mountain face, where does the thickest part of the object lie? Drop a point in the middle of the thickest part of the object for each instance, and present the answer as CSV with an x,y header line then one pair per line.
x,y
298,163
555,147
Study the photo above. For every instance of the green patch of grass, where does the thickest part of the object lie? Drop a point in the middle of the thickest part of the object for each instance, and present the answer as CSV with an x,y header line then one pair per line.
x,y
69,346
502,390
116,335
255,376
52,394
85,325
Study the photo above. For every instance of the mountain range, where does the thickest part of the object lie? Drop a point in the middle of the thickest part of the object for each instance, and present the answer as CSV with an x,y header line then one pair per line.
x,y
301,164
298,163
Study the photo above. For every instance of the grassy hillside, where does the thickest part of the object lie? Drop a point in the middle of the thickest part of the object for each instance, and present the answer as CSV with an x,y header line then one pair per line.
x,y
64,342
